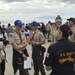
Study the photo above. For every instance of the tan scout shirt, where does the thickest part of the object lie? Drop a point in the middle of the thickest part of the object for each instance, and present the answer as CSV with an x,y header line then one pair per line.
x,y
15,39
38,36
48,27
53,35
72,37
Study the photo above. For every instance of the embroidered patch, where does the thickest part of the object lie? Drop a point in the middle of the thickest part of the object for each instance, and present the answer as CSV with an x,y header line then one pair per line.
x,y
10,35
47,55
16,38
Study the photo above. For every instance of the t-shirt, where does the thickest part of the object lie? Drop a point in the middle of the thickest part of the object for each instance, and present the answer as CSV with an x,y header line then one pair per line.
x,y
60,56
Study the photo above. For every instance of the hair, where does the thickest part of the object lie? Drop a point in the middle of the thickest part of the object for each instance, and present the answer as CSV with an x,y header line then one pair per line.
x,y
66,31
9,24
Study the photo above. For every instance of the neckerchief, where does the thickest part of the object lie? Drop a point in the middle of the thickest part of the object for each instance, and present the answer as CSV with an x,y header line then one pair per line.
x,y
33,33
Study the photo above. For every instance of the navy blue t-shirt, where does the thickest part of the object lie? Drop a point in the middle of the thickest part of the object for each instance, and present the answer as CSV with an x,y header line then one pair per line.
x,y
60,56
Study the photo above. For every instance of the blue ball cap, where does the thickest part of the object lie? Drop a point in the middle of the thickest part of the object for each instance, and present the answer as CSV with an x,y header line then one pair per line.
x,y
18,23
34,23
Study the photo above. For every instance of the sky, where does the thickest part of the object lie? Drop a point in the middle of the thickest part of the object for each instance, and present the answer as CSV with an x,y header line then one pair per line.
x,y
35,10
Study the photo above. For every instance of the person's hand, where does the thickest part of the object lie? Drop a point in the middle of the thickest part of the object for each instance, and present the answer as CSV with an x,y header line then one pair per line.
x,y
2,46
23,45
33,42
19,47
24,56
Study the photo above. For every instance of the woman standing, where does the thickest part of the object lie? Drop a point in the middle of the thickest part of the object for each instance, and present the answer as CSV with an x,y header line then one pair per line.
x,y
60,56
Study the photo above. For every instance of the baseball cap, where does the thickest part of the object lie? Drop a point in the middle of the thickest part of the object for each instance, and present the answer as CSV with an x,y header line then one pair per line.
x,y
71,19
18,23
34,23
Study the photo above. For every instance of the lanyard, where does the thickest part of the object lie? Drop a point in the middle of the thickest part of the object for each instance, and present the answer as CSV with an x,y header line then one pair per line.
x,y
19,36
32,36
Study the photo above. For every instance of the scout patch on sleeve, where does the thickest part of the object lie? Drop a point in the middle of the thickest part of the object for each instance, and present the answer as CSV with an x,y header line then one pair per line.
x,y
10,35
47,55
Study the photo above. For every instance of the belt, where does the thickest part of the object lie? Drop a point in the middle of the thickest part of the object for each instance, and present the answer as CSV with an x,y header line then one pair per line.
x,y
20,49
36,45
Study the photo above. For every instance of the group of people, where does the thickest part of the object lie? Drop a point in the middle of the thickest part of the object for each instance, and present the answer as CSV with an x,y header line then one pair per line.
x,y
18,41
60,56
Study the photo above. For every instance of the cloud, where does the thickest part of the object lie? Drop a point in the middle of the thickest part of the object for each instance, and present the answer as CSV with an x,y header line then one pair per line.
x,y
39,10
8,1
68,1
40,1
46,18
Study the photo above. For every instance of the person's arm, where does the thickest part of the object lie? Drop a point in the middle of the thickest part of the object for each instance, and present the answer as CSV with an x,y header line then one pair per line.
x,y
23,45
40,43
13,43
18,49
49,59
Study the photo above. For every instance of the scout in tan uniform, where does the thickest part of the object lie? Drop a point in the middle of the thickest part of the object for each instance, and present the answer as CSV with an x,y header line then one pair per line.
x,y
53,34
72,26
18,41
58,23
37,39
48,28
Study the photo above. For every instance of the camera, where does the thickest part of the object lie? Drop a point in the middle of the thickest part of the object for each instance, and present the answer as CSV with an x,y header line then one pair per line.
x,y
5,42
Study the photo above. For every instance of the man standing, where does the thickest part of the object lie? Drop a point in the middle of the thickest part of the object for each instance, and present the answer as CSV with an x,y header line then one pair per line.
x,y
58,23
18,41
71,23
37,39
48,28
9,29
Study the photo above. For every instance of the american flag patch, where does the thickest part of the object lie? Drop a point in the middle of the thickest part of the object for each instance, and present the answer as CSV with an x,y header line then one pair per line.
x,y
47,55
